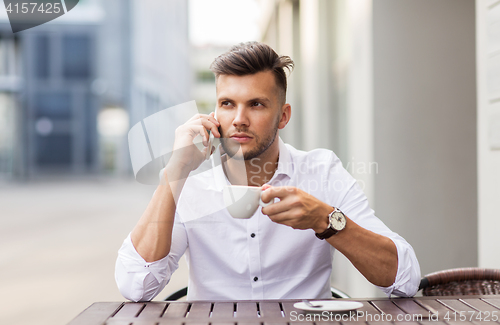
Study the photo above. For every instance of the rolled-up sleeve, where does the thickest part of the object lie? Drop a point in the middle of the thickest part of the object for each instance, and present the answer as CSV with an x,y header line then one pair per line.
x,y
139,280
408,276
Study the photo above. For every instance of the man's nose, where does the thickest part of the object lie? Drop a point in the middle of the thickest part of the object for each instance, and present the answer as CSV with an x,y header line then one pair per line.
x,y
241,118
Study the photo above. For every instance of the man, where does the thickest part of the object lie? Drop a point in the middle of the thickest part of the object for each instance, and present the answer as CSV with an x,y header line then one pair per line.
x,y
286,249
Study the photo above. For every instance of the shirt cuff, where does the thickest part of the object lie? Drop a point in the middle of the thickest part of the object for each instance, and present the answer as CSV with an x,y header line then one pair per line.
x,y
408,275
134,263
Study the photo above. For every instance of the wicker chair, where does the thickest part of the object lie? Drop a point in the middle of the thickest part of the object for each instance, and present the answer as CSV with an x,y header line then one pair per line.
x,y
463,281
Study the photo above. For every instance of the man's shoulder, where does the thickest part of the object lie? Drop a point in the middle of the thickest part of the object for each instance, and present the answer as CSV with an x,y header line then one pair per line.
x,y
319,155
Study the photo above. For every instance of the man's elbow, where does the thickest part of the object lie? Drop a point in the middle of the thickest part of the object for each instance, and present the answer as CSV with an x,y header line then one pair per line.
x,y
128,290
133,296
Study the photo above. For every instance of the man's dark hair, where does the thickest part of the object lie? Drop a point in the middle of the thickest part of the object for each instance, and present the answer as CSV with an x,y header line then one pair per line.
x,y
252,57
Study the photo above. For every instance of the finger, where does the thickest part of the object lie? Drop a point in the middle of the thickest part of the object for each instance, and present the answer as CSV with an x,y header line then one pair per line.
x,y
265,187
276,208
278,191
212,119
199,129
198,119
202,119
195,117
210,125
289,219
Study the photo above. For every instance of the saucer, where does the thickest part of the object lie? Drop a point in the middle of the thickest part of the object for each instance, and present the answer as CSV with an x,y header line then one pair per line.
x,y
329,305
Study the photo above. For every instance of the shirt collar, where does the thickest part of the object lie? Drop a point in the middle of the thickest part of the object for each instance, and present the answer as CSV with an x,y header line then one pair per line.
x,y
285,166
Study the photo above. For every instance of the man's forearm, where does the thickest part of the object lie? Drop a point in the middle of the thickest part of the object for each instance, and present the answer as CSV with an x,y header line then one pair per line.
x,y
374,255
152,236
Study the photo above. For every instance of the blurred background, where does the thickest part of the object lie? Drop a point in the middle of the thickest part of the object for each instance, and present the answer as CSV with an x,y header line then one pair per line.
x,y
406,92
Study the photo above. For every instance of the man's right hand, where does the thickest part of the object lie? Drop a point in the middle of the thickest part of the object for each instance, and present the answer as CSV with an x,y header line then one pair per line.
x,y
185,155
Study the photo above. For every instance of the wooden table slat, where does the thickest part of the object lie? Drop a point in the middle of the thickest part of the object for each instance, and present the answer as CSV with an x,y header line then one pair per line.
x,y
481,305
410,307
388,307
288,308
223,310
479,311
455,304
368,309
176,310
492,301
200,310
246,310
97,313
153,309
439,308
130,309
169,321
270,309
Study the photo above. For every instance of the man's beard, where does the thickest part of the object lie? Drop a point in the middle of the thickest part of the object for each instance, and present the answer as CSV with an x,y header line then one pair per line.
x,y
231,146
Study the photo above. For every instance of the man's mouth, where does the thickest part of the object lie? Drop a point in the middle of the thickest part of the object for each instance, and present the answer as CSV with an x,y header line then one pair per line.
x,y
241,137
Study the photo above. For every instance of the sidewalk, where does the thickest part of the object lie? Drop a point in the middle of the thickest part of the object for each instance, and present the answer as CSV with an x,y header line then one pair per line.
x,y
58,245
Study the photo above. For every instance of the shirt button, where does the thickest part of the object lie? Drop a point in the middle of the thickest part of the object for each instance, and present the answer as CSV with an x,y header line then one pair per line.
x,y
256,278
252,235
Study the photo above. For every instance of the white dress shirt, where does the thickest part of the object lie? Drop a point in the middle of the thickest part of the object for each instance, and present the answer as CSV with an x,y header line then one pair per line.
x,y
239,259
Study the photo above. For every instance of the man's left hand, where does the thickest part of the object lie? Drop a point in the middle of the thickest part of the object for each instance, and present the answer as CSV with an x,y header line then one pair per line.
x,y
296,208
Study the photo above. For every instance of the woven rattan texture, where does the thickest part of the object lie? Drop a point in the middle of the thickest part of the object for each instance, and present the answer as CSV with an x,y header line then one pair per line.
x,y
464,281
472,287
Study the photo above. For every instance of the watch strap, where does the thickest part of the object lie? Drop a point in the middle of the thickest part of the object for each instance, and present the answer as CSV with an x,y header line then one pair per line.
x,y
329,232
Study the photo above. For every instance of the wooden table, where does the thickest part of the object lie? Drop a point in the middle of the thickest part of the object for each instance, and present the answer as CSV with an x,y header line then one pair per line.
x,y
423,310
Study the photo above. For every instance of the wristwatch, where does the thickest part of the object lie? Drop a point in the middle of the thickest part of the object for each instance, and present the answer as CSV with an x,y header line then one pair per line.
x,y
337,223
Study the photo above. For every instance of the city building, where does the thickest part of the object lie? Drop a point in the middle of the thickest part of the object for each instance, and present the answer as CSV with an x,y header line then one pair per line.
x,y
127,59
203,90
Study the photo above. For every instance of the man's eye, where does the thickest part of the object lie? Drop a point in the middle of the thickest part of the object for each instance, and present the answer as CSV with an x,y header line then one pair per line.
x,y
257,104
225,103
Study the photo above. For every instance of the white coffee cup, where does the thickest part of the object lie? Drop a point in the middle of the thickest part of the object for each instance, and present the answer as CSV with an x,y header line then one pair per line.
x,y
243,201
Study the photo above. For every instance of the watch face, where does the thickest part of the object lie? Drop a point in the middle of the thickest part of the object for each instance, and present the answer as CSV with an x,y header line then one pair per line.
x,y
337,221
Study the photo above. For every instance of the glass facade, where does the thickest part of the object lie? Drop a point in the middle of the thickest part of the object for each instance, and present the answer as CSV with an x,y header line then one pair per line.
x,y
7,135
42,65
9,87
76,57
60,110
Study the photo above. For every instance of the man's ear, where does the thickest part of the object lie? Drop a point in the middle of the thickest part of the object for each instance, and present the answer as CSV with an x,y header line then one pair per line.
x,y
286,112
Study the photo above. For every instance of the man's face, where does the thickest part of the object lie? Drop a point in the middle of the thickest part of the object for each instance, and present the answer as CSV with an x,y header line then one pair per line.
x,y
249,112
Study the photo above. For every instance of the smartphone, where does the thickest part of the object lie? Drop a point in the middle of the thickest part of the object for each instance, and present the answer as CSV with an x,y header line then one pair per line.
x,y
210,140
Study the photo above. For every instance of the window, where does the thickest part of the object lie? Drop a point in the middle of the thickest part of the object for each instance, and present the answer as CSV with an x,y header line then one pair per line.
x,y
56,104
76,57
42,58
